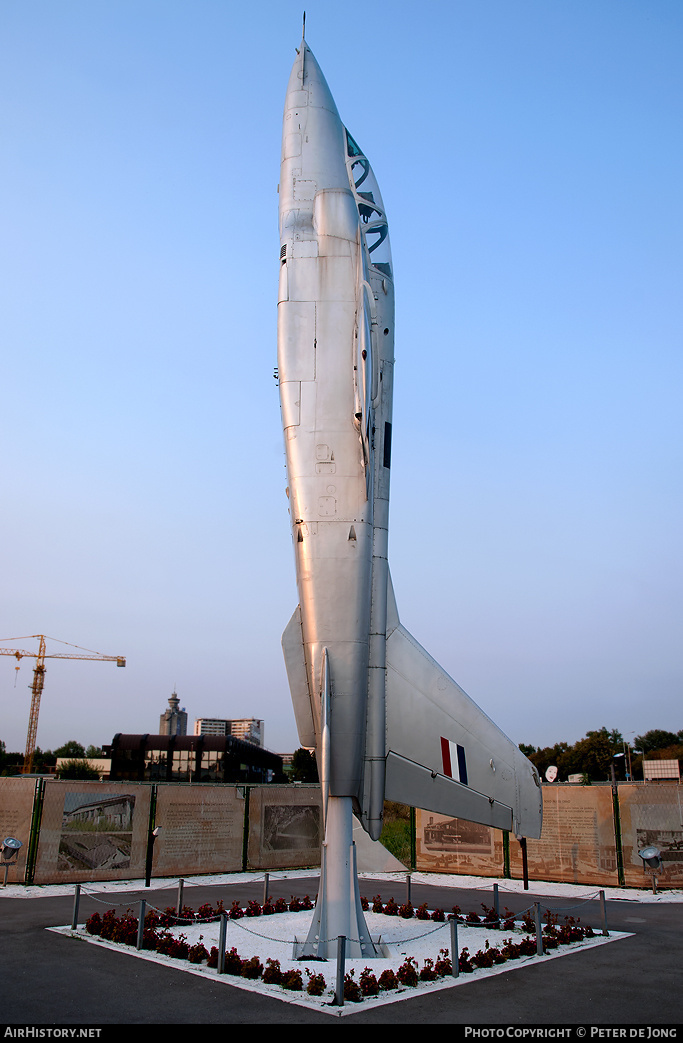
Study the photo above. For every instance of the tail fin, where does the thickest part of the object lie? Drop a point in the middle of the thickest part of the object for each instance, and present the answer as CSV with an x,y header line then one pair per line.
x,y
443,753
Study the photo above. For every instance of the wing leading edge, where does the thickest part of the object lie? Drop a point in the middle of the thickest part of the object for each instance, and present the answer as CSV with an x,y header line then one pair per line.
x,y
442,752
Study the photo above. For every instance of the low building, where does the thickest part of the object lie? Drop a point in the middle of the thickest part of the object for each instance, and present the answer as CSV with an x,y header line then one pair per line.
x,y
191,758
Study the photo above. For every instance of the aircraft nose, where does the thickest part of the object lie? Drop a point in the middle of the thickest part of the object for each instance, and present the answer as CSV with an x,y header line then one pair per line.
x,y
307,85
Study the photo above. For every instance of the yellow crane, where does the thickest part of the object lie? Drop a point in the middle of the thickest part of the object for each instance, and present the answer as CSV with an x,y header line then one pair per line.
x,y
39,679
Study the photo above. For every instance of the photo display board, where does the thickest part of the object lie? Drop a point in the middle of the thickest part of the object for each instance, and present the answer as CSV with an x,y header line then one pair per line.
x,y
453,845
652,816
92,831
285,828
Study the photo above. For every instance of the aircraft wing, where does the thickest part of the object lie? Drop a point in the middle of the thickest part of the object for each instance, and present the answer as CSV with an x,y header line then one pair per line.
x,y
443,753
297,675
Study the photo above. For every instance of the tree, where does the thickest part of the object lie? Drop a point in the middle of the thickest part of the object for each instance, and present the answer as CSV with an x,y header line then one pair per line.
x,y
592,756
70,749
656,739
304,766
77,769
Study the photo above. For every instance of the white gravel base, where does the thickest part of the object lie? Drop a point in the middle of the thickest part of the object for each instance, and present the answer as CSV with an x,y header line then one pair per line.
x,y
272,937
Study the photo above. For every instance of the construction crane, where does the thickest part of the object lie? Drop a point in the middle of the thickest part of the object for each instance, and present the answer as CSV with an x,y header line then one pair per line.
x,y
39,680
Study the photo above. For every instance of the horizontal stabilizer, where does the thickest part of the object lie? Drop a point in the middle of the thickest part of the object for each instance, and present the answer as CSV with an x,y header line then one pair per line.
x,y
443,753
297,675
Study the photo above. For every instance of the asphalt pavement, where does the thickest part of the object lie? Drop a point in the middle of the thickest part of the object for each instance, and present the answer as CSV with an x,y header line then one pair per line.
x,y
48,979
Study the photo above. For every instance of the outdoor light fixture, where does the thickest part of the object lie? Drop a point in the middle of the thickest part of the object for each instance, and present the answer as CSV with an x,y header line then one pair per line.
x,y
652,857
10,854
652,860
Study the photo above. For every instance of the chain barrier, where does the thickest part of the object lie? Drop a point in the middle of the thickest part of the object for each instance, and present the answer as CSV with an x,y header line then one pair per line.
x,y
462,922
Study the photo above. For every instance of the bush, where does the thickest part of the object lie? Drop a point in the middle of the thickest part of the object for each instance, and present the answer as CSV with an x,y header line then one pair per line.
x,y
77,769
272,974
292,980
351,988
407,972
428,972
93,924
316,984
233,962
197,953
252,968
369,985
388,980
168,945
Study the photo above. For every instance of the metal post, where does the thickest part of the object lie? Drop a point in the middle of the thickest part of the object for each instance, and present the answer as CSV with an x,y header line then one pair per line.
x,y
455,952
525,863
539,935
341,967
222,935
603,909
179,905
74,915
141,923
266,880
407,888
496,901
506,854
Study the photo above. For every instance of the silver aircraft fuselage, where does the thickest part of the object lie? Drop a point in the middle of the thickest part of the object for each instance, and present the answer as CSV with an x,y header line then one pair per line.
x,y
335,367
385,719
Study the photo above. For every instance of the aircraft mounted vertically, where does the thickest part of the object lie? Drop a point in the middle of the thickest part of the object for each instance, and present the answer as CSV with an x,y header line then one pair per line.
x,y
385,720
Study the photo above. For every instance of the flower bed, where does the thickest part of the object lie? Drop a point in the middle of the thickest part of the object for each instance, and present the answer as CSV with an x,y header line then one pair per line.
x,y
158,936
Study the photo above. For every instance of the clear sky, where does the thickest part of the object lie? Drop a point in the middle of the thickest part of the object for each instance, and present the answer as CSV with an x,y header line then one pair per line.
x,y
529,154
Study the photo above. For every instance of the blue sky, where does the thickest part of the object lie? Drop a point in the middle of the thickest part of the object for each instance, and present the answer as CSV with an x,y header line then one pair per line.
x,y
530,159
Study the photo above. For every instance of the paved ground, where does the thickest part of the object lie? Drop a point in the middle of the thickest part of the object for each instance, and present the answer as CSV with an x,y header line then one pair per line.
x,y
47,979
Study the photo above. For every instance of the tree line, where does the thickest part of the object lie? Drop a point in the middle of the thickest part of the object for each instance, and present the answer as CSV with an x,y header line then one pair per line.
x,y
592,756
598,751
45,761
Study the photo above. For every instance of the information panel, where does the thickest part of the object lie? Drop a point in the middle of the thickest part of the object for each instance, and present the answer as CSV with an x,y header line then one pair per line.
x,y
16,809
577,845
200,830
